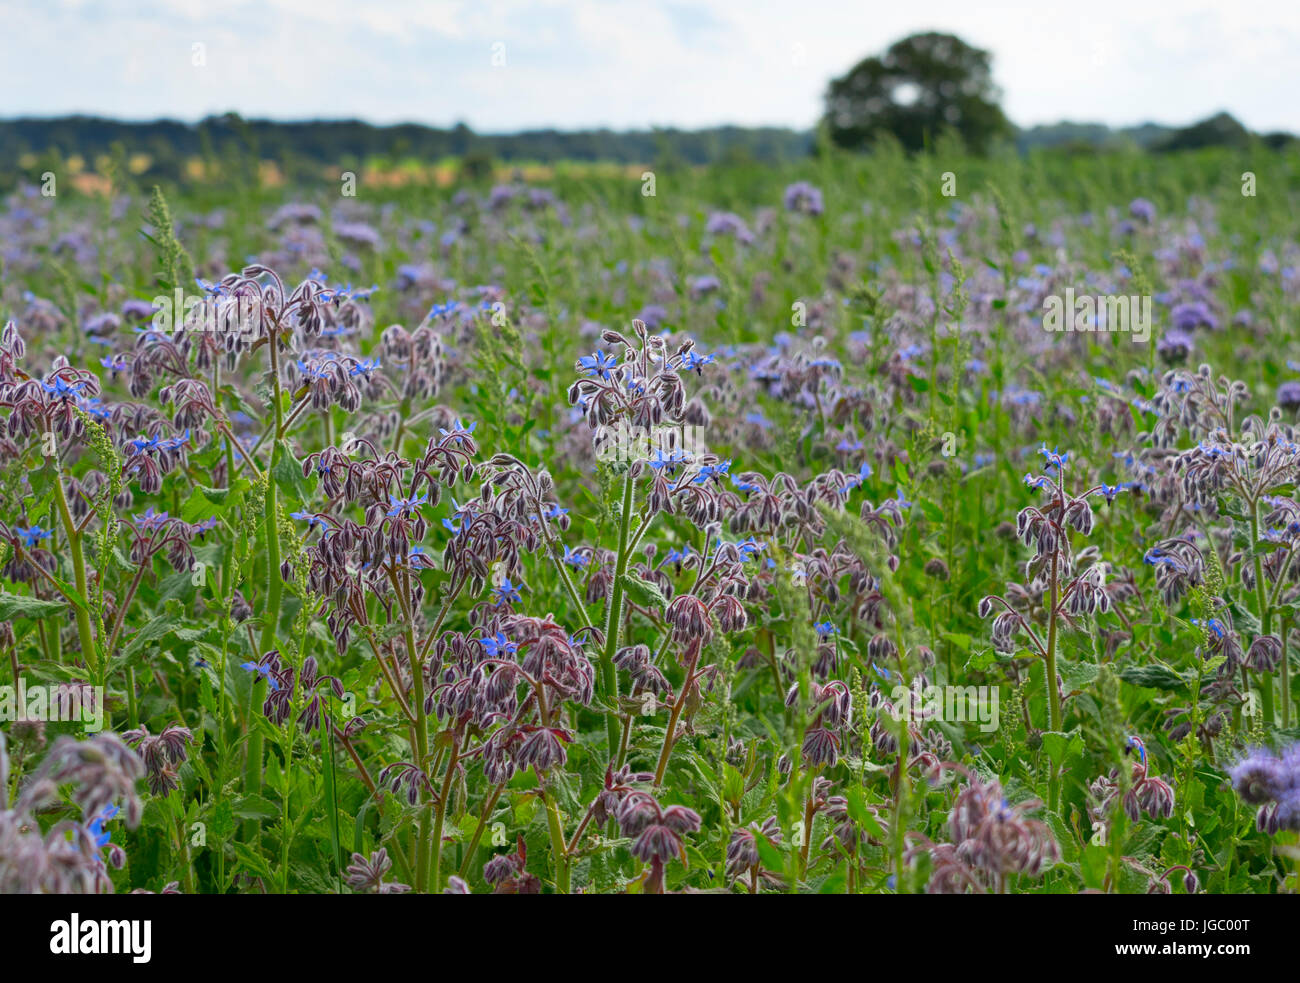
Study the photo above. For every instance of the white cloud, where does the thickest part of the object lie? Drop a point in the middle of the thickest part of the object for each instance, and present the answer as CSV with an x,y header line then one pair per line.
x,y
625,63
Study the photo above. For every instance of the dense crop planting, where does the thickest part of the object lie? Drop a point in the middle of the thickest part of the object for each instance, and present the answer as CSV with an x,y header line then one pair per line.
x,y
758,534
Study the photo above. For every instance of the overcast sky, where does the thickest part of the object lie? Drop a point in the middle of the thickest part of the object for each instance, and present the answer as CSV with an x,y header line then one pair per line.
x,y
632,63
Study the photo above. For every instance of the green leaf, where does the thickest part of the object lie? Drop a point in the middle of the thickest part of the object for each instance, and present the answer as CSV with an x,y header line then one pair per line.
x,y
768,853
860,814
1231,507
71,593
1060,746
1156,676
836,883
1092,865
252,861
1077,675
931,511
255,807
204,502
156,629
20,606
643,593
287,472
222,823
733,783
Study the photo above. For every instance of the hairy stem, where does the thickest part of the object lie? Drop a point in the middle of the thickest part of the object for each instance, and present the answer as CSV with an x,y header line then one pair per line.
x,y
557,843
614,617
84,633
1265,612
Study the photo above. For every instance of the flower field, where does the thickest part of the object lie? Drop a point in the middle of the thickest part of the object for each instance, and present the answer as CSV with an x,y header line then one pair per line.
x,y
876,525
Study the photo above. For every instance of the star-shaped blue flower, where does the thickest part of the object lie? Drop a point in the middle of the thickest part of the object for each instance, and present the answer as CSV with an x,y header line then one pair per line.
x,y
598,364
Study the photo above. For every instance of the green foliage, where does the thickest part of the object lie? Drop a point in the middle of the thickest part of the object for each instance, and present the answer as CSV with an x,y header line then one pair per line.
x,y
283,808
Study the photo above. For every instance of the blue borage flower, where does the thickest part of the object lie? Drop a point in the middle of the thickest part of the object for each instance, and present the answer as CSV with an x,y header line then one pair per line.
x,y
459,433
96,408
498,646
598,364
1214,625
696,361
1110,491
1274,535
505,593
1157,557
96,825
459,513
1020,397
315,364
446,310
911,352
677,556
348,292
149,520
856,480
310,518
32,536
554,512
1055,459
61,389
672,461
825,629
744,486
402,506
142,444
574,559
708,471
262,670
1136,744
145,445
211,289
206,525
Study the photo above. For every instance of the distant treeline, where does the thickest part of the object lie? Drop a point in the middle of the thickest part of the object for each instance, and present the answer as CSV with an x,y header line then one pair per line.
x,y
168,143
1219,130
166,148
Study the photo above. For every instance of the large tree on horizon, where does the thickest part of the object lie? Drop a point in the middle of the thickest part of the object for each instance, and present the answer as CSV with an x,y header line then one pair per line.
x,y
922,85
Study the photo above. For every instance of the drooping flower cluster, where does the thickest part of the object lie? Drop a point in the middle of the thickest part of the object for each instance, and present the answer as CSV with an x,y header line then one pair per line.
x,y
990,840
162,754
69,857
656,832
1272,782
1145,792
